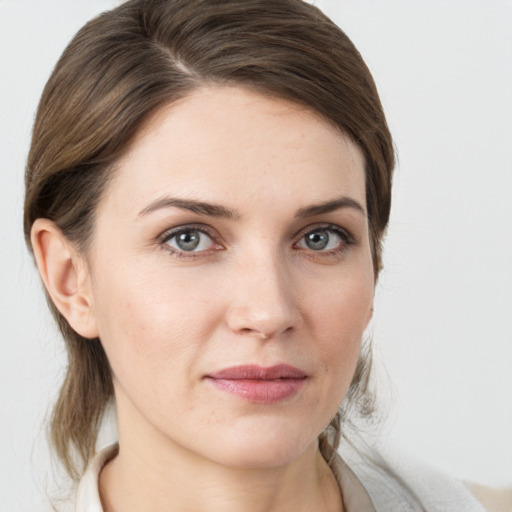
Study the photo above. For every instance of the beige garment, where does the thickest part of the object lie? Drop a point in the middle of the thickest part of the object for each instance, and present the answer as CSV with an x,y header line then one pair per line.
x,y
382,486
493,499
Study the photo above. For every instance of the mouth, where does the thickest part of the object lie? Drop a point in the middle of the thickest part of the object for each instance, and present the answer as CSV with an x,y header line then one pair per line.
x,y
257,384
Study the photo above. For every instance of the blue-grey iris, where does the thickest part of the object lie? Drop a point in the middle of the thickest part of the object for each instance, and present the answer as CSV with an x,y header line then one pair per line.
x,y
317,240
188,240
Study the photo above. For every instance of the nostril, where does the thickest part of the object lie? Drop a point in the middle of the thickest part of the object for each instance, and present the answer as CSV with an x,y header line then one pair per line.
x,y
265,335
262,320
256,333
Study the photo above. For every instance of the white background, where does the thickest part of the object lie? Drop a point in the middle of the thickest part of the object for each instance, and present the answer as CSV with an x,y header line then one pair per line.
x,y
442,328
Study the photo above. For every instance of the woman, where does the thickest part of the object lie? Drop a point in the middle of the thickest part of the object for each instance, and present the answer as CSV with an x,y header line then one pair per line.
x,y
207,190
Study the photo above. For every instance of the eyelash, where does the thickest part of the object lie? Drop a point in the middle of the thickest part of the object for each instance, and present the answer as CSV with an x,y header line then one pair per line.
x,y
346,238
170,234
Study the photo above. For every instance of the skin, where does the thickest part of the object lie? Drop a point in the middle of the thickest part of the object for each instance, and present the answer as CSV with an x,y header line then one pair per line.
x,y
252,292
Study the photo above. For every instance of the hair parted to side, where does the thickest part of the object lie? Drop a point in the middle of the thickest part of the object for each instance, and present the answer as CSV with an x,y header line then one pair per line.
x,y
125,64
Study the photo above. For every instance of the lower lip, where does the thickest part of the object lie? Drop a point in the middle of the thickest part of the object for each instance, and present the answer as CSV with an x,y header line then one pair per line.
x,y
260,391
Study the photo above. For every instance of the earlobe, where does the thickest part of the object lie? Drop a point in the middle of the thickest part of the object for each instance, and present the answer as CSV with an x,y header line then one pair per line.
x,y
65,276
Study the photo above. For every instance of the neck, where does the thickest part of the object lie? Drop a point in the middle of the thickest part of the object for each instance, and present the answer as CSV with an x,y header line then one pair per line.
x,y
148,478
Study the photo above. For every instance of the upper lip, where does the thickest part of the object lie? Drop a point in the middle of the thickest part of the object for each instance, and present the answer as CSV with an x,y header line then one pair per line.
x,y
255,372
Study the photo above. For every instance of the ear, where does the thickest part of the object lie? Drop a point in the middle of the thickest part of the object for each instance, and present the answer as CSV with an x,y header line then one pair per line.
x,y
65,275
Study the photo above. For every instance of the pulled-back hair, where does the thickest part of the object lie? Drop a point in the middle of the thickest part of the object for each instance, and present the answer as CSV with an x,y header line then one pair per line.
x,y
124,65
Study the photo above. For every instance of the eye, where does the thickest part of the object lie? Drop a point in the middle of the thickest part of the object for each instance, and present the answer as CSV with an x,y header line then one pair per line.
x,y
189,240
324,239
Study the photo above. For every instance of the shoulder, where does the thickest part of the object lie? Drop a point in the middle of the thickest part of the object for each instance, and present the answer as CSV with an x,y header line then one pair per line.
x,y
399,483
85,497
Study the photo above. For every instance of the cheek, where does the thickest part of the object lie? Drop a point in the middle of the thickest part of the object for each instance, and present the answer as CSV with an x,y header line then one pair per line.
x,y
338,318
149,322
343,308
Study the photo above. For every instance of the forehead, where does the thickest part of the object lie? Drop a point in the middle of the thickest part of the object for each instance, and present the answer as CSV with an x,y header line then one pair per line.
x,y
231,145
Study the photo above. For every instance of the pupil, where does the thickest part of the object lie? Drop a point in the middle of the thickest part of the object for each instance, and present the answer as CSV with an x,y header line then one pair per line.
x,y
318,240
188,241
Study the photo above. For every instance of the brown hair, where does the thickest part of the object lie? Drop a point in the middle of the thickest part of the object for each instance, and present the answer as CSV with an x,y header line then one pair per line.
x,y
128,62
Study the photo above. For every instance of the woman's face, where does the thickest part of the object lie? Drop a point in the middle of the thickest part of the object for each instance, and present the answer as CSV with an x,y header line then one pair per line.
x,y
231,277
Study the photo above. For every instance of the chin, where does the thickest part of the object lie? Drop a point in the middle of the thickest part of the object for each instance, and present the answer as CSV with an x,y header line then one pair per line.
x,y
260,447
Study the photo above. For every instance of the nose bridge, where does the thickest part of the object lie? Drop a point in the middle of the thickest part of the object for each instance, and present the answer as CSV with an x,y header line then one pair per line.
x,y
263,294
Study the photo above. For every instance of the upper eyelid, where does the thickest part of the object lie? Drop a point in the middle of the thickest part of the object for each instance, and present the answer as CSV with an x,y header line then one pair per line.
x,y
325,226
171,232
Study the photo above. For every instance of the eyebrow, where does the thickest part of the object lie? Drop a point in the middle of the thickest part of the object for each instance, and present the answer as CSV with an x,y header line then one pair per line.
x,y
219,211
200,207
330,206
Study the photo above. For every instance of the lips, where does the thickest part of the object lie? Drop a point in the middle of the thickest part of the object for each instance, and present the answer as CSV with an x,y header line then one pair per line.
x,y
257,384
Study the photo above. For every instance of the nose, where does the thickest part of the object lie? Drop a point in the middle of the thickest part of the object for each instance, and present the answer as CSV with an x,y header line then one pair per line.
x,y
263,299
